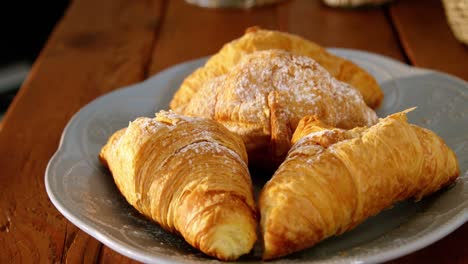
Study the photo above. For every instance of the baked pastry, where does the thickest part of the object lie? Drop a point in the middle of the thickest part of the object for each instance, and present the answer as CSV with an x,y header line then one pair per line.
x,y
256,39
334,179
265,95
190,176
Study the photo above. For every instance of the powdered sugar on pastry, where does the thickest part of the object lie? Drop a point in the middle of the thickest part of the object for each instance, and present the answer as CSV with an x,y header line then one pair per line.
x,y
276,88
256,39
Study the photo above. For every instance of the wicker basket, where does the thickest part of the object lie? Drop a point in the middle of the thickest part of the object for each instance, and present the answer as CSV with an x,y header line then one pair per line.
x,y
457,16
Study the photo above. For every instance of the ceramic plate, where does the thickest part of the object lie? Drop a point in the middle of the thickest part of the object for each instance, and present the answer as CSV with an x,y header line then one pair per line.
x,y
84,192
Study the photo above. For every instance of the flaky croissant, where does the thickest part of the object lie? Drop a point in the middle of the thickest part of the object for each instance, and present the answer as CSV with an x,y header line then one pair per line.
x,y
190,176
256,39
265,95
334,179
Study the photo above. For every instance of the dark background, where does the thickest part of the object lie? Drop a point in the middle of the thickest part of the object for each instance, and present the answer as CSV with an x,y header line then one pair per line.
x,y
25,28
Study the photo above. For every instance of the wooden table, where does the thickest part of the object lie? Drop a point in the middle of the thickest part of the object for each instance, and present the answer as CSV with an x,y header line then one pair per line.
x,y
100,46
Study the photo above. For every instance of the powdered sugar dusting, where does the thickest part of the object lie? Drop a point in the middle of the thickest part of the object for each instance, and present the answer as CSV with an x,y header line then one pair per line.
x,y
301,87
174,117
163,119
268,92
149,125
205,141
204,147
318,134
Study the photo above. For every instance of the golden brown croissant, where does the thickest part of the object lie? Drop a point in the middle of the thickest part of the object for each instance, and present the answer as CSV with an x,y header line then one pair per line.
x,y
190,176
334,179
256,39
265,95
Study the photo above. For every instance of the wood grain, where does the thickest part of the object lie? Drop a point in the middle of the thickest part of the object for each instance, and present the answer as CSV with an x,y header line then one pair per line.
x,y
427,38
190,32
365,29
97,47
80,247
108,256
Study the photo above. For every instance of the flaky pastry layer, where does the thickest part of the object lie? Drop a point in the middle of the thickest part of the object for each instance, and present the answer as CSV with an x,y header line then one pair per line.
x,y
334,179
190,175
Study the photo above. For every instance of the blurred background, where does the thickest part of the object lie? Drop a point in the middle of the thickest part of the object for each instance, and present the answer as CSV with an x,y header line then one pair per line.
x,y
26,26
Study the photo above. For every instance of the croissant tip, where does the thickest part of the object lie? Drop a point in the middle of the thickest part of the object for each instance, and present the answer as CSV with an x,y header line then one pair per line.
x,y
402,115
409,109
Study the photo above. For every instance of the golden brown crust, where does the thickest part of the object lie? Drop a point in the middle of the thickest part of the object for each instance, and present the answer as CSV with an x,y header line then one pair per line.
x,y
334,179
189,175
265,95
257,39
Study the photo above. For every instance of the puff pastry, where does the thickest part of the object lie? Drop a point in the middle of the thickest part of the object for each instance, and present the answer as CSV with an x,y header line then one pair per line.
x,y
265,95
334,179
190,176
256,39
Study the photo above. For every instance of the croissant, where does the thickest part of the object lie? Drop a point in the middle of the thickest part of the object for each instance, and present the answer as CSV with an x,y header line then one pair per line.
x,y
257,39
334,179
265,95
190,176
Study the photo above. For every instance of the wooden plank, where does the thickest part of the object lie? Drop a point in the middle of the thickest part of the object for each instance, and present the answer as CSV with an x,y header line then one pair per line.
x,y
365,29
80,247
108,256
184,37
189,32
88,54
427,38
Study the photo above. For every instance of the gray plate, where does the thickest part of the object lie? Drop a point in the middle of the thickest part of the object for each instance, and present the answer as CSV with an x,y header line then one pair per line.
x,y
84,192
